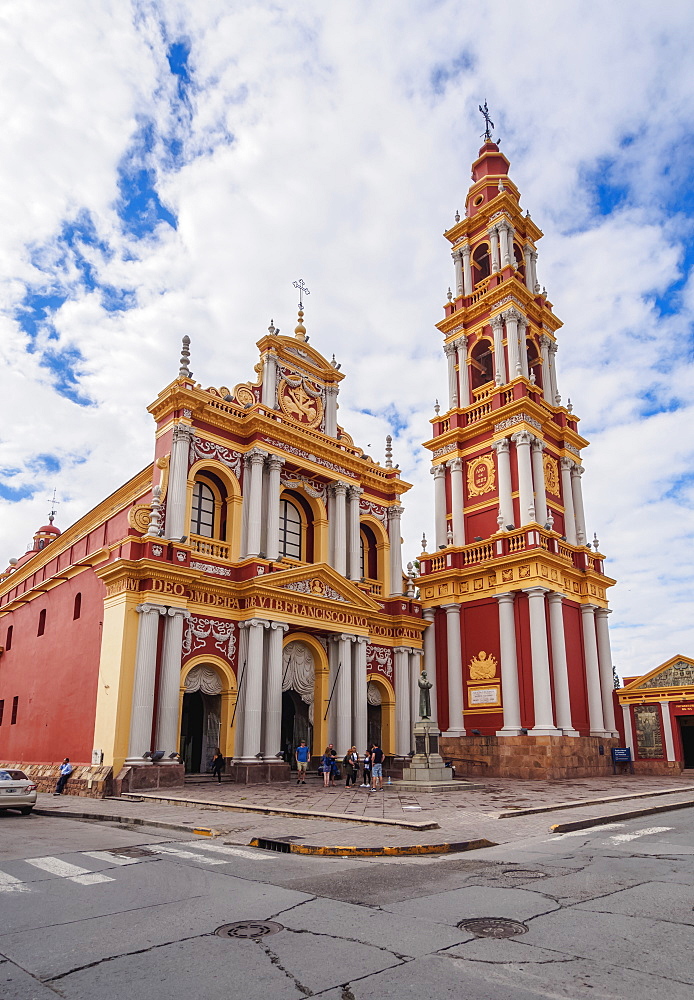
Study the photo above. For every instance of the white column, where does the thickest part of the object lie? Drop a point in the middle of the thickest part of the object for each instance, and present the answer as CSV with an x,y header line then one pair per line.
x,y
359,703
458,263
330,419
394,537
536,448
545,342
526,500
602,631
253,499
499,361
415,656
253,701
528,267
628,733
343,694
556,398
590,647
340,560
449,351
272,545
403,736
429,615
335,670
542,689
523,346
176,493
439,474
241,689
272,706
143,687
456,726
168,726
503,468
567,496
268,396
456,467
533,259
503,247
354,493
514,366
509,666
464,397
467,270
577,494
560,668
494,241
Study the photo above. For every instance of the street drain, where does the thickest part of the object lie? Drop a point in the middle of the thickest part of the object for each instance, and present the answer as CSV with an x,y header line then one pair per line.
x,y
493,927
249,929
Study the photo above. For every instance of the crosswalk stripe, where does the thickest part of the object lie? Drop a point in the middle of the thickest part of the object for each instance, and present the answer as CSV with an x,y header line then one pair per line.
x,y
188,855
8,883
623,838
237,852
586,831
63,869
111,859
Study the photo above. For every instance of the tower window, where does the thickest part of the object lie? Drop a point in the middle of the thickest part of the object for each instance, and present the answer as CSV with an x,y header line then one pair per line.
x,y
8,638
480,263
290,530
77,609
42,622
2,709
202,518
482,364
15,703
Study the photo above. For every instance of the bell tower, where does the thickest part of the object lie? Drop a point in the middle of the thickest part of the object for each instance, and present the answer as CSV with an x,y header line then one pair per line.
x,y
516,597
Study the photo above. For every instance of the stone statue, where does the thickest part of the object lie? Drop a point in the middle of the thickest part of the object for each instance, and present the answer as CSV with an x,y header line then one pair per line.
x,y
424,696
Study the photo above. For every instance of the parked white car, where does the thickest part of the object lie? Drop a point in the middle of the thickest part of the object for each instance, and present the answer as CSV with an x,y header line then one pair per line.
x,y
17,791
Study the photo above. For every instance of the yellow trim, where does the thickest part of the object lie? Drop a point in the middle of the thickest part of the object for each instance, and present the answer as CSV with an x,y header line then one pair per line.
x,y
116,675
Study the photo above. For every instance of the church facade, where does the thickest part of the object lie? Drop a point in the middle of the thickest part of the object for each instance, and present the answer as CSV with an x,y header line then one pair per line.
x,y
246,590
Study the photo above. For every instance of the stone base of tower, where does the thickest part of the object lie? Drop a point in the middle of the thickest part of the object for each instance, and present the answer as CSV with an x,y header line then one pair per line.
x,y
529,756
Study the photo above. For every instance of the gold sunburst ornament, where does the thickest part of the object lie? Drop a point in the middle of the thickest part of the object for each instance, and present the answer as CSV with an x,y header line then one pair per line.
x,y
482,667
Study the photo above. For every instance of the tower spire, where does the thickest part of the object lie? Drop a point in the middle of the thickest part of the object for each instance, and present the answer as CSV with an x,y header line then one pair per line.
x,y
184,371
300,329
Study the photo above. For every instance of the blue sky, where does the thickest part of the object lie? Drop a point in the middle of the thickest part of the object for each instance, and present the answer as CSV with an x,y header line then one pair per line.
x,y
172,168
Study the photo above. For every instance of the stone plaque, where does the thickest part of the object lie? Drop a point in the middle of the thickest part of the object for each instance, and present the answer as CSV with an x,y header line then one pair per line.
x,y
419,743
433,744
483,696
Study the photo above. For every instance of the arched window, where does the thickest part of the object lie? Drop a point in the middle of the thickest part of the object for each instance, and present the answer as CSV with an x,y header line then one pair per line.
x,y
291,530
42,622
482,364
520,260
202,515
480,263
8,638
534,363
369,554
77,609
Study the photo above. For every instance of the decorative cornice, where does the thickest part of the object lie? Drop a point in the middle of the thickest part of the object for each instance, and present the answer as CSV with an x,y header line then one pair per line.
x,y
519,418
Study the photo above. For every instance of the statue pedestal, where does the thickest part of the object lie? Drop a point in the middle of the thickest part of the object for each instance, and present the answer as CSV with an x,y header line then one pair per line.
x,y
427,771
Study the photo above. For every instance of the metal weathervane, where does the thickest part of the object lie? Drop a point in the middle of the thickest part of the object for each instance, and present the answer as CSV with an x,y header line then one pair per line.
x,y
303,290
488,123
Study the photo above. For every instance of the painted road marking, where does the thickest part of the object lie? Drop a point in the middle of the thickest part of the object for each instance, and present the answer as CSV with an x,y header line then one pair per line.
x,y
63,869
188,855
237,852
623,838
111,859
586,832
8,883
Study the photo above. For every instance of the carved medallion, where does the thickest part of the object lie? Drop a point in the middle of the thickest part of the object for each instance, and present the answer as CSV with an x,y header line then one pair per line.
x,y
300,400
481,476
482,667
551,474
138,517
244,395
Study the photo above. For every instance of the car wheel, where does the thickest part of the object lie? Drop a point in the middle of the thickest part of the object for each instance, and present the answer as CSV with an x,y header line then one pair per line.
x,y
25,810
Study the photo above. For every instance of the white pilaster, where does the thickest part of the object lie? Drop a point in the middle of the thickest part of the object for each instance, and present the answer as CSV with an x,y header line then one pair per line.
x,y
526,500
253,499
143,687
176,494
494,242
523,345
509,666
511,317
464,397
269,390
168,732
499,360
439,474
528,267
354,540
339,491
590,647
542,689
503,468
450,352
467,270
567,465
272,529
403,727
415,657
456,726
239,710
429,615
667,730
458,263
343,694
253,703
545,343
602,631
504,244
560,668
330,419
395,539
537,447
272,705
556,398
533,259
628,732
577,494
359,703
456,467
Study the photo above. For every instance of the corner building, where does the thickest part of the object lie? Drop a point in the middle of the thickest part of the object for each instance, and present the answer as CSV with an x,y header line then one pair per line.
x,y
245,591
514,593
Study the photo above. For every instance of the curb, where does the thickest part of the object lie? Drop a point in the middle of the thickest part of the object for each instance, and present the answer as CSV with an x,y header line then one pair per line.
x,y
581,824
285,847
290,813
577,803
128,820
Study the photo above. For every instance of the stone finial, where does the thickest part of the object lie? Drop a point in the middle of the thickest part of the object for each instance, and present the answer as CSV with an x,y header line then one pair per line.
x,y
449,535
533,380
300,329
437,408
569,405
184,371
596,543
271,329
500,521
154,526
424,543
502,186
549,524
457,215
410,592
389,451
449,294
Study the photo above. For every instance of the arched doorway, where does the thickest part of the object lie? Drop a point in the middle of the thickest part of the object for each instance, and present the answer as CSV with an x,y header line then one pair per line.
x,y
298,686
374,727
201,718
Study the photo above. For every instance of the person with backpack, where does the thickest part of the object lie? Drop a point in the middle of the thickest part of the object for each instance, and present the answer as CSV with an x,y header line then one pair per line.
x,y
376,768
351,763
366,764
218,765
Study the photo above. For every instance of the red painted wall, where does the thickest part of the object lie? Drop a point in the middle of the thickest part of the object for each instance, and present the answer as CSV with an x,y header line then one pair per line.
x,y
525,668
441,668
575,660
480,631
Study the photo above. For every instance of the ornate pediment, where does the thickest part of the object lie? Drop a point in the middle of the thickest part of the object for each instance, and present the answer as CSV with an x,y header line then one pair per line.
x,y
319,582
675,673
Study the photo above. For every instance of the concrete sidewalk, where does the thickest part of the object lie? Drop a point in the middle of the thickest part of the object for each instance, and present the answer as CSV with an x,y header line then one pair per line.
x,y
500,811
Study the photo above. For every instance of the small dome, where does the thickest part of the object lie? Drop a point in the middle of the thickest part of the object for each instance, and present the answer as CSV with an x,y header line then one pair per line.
x,y
48,529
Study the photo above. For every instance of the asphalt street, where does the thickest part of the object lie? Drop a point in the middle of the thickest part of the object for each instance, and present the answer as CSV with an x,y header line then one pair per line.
x,y
99,911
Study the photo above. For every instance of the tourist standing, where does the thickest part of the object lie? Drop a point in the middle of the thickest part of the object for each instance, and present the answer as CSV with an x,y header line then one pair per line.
x,y
218,765
351,762
366,783
376,768
326,765
301,756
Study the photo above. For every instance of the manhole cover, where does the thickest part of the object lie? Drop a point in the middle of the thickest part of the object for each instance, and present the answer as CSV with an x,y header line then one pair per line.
x,y
130,852
523,873
249,929
492,927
